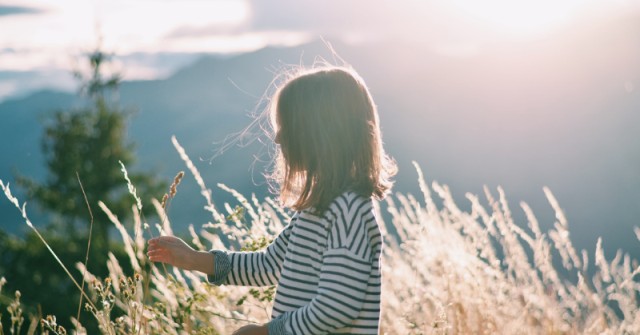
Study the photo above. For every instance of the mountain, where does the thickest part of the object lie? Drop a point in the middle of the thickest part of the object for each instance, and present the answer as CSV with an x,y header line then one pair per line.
x,y
524,116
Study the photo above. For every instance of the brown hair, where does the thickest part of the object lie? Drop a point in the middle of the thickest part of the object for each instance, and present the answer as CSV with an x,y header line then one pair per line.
x,y
327,126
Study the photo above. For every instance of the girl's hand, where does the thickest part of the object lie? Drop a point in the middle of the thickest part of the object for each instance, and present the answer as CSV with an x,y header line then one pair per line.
x,y
174,251
252,330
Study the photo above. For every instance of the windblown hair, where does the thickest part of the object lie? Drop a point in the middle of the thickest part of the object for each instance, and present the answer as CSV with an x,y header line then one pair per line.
x,y
327,126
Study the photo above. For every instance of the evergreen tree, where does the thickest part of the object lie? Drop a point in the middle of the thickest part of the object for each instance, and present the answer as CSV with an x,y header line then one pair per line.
x,y
89,142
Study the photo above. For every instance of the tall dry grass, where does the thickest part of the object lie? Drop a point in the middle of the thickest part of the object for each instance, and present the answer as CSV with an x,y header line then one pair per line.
x,y
445,271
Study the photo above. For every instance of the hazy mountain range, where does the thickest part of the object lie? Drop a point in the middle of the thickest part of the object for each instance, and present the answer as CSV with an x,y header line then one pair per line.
x,y
522,115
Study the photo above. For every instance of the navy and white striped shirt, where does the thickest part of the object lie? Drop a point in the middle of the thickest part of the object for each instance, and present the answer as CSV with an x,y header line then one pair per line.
x,y
327,270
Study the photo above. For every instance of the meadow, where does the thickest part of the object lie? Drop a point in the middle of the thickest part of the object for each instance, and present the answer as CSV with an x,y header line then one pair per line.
x,y
445,271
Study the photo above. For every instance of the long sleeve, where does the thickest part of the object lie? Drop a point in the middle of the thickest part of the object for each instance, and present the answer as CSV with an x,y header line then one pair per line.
x,y
259,268
345,278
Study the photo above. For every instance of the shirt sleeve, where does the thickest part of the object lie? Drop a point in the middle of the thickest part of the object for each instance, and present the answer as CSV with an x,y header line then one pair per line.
x,y
258,268
344,277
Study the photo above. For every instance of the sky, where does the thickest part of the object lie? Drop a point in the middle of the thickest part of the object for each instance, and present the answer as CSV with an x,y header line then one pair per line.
x,y
41,41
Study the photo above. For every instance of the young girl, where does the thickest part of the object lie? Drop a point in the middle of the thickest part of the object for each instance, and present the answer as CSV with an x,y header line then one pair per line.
x,y
329,166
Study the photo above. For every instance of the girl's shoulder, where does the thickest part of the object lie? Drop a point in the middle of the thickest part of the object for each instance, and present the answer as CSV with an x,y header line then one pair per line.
x,y
344,203
343,207
351,223
348,205
351,198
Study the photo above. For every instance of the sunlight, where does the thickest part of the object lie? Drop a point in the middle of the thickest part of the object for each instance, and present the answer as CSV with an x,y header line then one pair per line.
x,y
70,26
520,18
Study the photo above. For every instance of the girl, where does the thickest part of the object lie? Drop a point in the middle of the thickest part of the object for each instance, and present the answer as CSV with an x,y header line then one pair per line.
x,y
330,164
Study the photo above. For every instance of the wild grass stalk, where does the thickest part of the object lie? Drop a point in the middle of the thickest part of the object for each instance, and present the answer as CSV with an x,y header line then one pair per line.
x,y
23,211
86,259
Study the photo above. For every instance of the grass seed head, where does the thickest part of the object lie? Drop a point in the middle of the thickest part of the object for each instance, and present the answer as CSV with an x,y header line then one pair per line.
x,y
165,197
50,320
89,308
174,186
137,277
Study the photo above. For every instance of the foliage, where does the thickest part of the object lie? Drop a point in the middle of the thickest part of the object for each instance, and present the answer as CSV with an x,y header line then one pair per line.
x,y
447,272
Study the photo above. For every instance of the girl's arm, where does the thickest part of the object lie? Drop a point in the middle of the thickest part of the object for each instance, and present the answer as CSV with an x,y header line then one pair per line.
x,y
260,268
257,268
174,251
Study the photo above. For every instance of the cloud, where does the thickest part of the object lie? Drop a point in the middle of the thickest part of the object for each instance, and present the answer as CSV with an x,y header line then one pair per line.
x,y
135,66
21,83
18,10
338,18
188,31
354,20
143,65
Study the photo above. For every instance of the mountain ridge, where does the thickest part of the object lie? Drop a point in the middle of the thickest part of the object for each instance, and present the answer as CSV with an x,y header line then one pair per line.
x,y
467,121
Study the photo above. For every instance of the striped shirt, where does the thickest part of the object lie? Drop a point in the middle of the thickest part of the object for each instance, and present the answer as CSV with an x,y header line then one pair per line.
x,y
327,269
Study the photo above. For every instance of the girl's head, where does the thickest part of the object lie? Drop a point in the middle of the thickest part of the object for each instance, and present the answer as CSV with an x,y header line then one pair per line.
x,y
326,124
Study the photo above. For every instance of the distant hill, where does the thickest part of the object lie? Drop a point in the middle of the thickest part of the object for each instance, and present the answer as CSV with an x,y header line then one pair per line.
x,y
514,115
